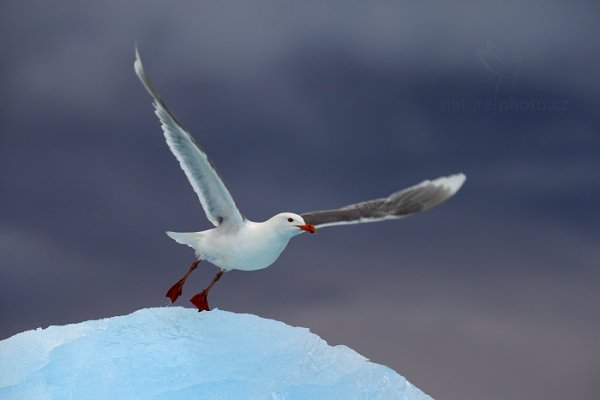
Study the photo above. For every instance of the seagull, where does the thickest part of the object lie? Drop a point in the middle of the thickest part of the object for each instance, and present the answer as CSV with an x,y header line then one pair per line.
x,y
237,243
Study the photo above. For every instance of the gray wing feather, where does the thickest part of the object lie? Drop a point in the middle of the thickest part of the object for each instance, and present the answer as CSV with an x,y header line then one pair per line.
x,y
219,206
421,197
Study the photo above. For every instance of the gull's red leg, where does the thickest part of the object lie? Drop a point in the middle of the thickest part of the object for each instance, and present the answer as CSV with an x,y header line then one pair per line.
x,y
175,291
201,299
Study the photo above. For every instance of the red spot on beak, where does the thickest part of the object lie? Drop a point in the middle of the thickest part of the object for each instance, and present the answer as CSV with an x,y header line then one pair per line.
x,y
308,228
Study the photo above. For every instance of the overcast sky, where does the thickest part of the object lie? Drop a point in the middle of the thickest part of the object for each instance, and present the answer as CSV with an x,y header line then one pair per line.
x,y
312,105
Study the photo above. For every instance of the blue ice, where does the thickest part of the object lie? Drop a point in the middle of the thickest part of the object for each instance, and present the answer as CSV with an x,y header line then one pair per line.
x,y
178,353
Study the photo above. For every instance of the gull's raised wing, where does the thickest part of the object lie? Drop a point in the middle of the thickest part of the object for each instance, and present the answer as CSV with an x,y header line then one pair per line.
x,y
421,197
199,169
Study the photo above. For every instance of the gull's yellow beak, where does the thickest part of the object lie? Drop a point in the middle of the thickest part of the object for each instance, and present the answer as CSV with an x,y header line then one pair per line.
x,y
308,228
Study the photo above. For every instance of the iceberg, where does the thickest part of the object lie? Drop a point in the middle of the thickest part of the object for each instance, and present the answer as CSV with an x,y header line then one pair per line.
x,y
178,353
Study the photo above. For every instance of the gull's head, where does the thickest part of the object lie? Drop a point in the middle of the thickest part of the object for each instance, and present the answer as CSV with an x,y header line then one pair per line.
x,y
291,224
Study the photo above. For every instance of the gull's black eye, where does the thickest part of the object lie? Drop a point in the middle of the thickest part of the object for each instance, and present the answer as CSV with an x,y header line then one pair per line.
x,y
290,219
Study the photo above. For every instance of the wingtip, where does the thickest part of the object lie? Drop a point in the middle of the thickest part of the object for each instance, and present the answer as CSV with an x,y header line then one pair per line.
x,y
137,64
138,67
452,182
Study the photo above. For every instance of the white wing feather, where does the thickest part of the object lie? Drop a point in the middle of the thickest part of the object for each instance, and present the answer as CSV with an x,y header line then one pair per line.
x,y
420,197
219,206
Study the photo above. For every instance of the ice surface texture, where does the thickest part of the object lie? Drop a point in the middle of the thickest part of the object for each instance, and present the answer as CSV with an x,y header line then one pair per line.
x,y
177,353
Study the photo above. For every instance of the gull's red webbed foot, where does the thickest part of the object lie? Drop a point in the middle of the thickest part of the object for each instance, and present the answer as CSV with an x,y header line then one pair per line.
x,y
175,291
201,299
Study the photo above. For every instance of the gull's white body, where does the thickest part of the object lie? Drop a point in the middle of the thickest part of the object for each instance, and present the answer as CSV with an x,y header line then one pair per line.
x,y
238,243
249,247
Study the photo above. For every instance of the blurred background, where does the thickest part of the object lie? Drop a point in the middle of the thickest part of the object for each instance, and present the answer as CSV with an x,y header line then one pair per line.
x,y
306,106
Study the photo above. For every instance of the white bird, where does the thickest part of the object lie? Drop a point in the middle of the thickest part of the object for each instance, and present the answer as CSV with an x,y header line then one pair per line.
x,y
238,243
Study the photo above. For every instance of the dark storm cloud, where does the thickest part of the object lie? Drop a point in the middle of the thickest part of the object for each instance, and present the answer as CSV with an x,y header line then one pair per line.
x,y
312,106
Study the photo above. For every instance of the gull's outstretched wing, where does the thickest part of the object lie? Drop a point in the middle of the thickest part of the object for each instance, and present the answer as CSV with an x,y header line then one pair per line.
x,y
199,169
421,197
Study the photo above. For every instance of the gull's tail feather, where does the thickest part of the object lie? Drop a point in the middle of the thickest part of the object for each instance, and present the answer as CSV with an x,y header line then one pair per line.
x,y
188,238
